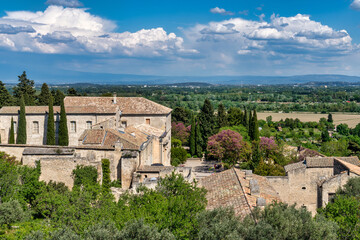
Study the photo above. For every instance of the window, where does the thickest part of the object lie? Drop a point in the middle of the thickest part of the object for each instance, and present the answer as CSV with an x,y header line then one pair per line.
x,y
331,197
73,126
124,124
148,121
88,124
35,128
15,126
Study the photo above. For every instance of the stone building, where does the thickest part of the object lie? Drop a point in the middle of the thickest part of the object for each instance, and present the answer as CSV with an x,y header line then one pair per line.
x,y
313,182
131,131
239,189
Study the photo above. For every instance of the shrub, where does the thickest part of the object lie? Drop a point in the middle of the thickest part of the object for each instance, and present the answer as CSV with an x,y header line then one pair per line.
x,y
178,156
11,212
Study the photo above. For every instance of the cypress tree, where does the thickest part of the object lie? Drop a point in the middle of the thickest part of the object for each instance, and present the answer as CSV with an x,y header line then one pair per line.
x,y
221,116
44,95
256,155
255,126
330,118
325,137
245,120
207,122
105,165
12,132
63,129
50,132
199,141
192,139
21,133
249,125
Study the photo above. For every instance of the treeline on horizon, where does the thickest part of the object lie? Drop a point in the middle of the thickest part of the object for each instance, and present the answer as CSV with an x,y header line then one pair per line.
x,y
283,98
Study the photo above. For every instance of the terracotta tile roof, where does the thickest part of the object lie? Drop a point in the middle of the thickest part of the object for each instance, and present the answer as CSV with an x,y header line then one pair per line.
x,y
230,189
109,137
294,166
127,105
329,161
69,109
147,129
352,168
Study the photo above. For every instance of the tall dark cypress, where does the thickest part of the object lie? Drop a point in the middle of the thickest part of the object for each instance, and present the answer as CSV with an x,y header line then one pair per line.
x,y
21,133
192,138
105,165
222,116
207,121
245,120
199,141
44,96
63,129
249,124
254,127
50,131
12,132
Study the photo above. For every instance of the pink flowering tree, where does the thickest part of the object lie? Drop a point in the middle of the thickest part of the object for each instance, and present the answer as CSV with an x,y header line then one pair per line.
x,y
179,131
229,147
268,147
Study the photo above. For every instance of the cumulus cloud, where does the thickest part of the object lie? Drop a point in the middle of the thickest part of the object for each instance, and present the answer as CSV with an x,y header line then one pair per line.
x,y
355,5
217,10
280,37
65,3
74,30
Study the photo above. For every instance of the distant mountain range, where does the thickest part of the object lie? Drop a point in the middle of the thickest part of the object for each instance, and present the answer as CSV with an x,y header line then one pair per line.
x,y
128,79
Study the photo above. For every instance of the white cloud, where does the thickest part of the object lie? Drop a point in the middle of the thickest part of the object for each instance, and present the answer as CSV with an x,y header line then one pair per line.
x,y
74,30
281,36
217,10
355,5
65,3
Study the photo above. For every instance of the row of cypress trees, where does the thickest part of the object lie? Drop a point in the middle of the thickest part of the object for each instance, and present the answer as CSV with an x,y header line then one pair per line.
x,y
50,133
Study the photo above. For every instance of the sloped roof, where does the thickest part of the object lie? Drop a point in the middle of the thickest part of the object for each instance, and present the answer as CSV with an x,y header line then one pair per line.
x,y
48,151
147,129
352,168
153,169
127,105
230,188
294,166
109,137
69,109
313,162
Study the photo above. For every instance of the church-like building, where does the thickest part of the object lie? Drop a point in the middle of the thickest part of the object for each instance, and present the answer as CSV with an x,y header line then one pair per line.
x,y
132,132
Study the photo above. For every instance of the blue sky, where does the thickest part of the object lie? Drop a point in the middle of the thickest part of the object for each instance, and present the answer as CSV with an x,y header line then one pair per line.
x,y
55,39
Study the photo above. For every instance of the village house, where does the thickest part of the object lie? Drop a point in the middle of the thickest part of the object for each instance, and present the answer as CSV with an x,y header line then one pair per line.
x,y
132,132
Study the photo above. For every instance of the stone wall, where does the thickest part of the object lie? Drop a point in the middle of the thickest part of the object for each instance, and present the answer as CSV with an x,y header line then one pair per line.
x,y
128,167
328,188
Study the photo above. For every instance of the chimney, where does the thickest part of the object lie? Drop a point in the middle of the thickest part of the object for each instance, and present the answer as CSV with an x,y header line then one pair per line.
x,y
254,188
114,101
248,174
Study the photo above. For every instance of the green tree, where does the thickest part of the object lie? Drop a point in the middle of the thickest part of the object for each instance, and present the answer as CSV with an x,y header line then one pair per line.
x,y
44,96
207,121
21,132
221,116
235,116
5,97
58,97
343,129
12,132
9,178
178,156
254,128
181,114
325,137
245,120
50,130
198,141
345,211
280,221
84,175
63,129
330,118
192,138
220,223
105,164
11,212
25,88
256,155
137,229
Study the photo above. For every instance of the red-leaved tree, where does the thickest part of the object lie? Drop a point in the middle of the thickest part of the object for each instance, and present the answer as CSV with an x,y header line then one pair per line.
x,y
229,147
179,131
